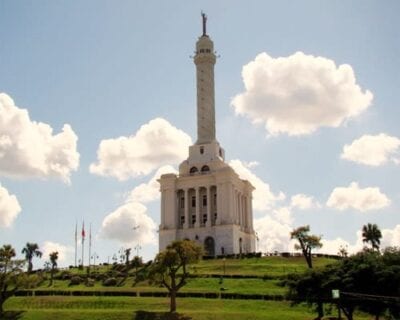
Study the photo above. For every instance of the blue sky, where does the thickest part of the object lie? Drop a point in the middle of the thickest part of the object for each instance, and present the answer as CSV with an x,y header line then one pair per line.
x,y
107,68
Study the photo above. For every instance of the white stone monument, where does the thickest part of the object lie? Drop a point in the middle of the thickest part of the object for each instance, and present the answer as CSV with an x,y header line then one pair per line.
x,y
207,202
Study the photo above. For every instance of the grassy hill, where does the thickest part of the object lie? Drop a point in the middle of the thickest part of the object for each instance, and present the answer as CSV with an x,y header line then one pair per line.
x,y
252,276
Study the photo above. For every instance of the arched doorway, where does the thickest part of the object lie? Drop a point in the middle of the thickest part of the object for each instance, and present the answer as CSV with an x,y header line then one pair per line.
x,y
209,246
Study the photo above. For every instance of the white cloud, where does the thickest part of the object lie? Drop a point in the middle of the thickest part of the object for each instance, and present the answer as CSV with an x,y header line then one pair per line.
x,y
263,197
155,144
354,197
64,252
303,202
9,208
29,148
391,237
283,215
273,235
298,94
372,150
150,191
119,225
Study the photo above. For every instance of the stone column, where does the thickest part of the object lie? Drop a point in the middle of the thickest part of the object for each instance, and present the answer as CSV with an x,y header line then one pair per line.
x,y
162,224
234,208
246,215
197,224
208,223
186,208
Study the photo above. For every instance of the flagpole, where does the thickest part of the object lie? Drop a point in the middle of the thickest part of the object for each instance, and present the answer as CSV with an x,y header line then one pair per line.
x,y
83,241
90,242
76,241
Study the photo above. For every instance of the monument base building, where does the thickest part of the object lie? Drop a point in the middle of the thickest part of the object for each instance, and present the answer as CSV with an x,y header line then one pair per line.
x,y
207,201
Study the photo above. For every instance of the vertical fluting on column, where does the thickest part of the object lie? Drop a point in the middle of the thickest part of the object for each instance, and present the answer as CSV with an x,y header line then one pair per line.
x,y
208,223
197,224
162,209
186,208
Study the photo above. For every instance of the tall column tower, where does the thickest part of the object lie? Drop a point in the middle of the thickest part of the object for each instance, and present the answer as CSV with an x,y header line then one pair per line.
x,y
207,201
205,60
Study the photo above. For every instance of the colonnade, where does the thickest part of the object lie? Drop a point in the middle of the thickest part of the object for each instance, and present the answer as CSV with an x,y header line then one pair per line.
x,y
196,206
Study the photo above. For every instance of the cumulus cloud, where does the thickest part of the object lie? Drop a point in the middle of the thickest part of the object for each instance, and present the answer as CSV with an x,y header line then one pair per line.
x,y
263,197
150,191
64,252
283,215
303,202
9,208
391,237
372,150
273,235
298,94
354,197
29,148
119,225
155,144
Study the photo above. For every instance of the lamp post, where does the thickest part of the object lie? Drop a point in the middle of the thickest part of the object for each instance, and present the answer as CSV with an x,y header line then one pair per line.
x,y
94,257
137,248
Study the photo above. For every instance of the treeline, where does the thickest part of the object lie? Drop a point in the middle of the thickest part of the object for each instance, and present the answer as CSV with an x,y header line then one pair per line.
x,y
368,281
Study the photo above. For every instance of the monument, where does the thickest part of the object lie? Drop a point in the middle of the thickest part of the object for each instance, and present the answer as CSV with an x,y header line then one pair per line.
x,y
207,201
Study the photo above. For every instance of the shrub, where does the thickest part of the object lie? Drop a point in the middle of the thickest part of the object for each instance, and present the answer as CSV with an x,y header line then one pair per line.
x,y
90,282
75,280
109,282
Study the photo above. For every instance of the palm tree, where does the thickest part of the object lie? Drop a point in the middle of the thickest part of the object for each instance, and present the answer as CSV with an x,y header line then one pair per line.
x,y
31,250
372,234
7,252
53,260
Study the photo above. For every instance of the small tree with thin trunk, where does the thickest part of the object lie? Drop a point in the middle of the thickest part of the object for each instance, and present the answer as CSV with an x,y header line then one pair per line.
x,y
11,274
53,260
170,266
307,242
31,250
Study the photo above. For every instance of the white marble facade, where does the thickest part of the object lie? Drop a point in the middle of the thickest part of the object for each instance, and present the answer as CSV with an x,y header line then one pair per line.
x,y
207,201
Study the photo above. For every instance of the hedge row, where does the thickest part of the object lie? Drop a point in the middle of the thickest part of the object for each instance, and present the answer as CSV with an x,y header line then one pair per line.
x,y
208,295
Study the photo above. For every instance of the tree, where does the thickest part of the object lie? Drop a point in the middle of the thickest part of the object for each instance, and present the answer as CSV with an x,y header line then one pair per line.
x,y
307,242
53,260
10,274
127,254
368,281
169,267
372,234
31,250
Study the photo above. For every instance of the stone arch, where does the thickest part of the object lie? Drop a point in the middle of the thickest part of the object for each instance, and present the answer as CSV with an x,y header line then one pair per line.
x,y
205,168
209,246
193,170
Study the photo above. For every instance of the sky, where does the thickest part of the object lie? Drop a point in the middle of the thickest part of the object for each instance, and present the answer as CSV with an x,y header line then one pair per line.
x,y
98,99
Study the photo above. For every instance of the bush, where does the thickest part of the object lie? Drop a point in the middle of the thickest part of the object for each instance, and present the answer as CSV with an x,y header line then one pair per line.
x,y
90,282
109,282
65,275
75,280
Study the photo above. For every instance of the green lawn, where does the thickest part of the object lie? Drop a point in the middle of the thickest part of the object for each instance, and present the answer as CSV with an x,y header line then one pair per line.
x,y
121,308
245,286
266,266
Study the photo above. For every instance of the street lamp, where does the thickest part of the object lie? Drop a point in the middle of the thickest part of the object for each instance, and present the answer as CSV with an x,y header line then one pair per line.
x,y
94,257
137,248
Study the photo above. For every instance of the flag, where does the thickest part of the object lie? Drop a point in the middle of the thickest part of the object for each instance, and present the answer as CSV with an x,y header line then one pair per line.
x,y
83,231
